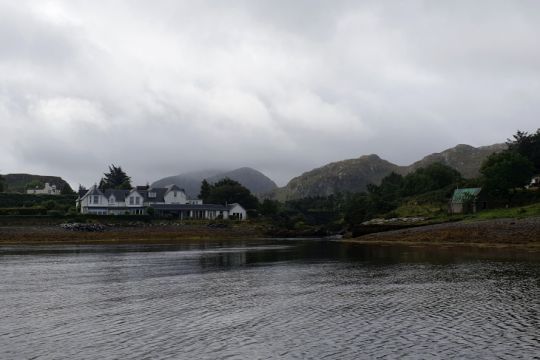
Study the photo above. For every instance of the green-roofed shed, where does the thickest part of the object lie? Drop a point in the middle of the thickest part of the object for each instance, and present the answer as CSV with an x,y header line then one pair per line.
x,y
467,200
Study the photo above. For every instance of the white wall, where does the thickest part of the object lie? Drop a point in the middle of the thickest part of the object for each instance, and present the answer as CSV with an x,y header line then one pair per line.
x,y
90,200
238,212
47,190
180,197
134,195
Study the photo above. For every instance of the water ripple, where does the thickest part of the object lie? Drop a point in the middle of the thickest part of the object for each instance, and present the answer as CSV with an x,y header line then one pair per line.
x,y
261,303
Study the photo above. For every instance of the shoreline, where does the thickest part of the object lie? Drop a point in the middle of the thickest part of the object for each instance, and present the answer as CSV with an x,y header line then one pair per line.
x,y
166,234
499,233
481,233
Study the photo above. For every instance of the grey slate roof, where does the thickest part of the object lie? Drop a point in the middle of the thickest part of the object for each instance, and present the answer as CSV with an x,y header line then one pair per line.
x,y
230,206
173,188
94,191
119,195
213,207
160,195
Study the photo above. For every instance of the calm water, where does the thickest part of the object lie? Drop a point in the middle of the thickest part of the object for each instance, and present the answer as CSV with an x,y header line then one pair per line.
x,y
264,300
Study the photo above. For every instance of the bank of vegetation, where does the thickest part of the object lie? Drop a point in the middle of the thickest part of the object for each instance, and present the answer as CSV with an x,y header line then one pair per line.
x,y
423,194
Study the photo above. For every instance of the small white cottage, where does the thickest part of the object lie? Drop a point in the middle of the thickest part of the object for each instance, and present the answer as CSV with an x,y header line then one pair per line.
x,y
48,189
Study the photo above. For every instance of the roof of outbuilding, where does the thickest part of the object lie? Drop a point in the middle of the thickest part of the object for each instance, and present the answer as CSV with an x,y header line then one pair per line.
x,y
230,206
461,195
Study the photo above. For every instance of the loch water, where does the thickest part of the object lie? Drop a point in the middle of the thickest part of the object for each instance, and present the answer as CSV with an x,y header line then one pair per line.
x,y
268,299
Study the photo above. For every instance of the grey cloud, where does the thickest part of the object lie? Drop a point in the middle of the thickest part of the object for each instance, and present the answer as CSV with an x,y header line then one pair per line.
x,y
283,86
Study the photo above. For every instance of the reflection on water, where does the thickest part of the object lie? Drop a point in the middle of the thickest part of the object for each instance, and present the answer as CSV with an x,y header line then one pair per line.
x,y
272,299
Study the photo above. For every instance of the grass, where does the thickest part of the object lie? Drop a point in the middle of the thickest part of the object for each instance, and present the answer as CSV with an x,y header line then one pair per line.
x,y
515,212
437,212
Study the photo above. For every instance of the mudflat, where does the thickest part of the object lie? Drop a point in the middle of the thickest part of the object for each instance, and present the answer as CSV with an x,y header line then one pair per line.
x,y
51,234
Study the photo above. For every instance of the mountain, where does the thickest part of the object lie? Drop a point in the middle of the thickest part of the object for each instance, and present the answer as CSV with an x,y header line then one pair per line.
x,y
343,176
464,158
355,174
190,182
19,182
254,180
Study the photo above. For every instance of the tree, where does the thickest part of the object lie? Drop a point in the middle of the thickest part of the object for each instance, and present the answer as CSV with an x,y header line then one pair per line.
x,y
67,190
204,194
228,191
116,178
35,184
1,183
433,177
505,171
527,145
269,207
358,209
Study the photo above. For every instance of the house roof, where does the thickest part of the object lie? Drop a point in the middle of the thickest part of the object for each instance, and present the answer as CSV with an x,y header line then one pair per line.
x,y
119,195
189,207
461,195
173,187
230,206
159,194
94,191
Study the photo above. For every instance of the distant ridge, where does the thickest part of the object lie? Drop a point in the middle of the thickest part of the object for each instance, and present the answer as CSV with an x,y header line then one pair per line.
x,y
351,175
254,180
18,182
464,158
355,174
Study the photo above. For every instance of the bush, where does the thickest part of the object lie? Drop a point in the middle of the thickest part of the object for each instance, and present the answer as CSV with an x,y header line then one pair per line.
x,y
13,200
23,211
55,213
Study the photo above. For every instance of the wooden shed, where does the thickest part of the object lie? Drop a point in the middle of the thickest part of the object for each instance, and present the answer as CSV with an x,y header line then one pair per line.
x,y
467,200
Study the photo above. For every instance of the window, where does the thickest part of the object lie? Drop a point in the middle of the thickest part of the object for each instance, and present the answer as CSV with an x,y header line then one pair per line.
x,y
96,199
138,200
111,200
131,200
175,194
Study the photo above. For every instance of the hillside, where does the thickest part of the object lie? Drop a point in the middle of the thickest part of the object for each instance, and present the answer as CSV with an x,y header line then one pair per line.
x,y
252,179
464,158
18,182
351,175
355,174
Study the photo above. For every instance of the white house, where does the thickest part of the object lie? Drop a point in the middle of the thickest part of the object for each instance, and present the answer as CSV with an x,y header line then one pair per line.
x,y
236,211
47,190
170,201
535,182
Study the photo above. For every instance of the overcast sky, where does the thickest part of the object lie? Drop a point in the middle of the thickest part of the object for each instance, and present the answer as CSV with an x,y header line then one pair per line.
x,y
164,87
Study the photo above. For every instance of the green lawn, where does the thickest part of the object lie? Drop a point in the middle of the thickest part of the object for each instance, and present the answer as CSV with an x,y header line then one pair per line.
x,y
515,212
437,212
